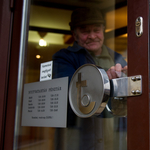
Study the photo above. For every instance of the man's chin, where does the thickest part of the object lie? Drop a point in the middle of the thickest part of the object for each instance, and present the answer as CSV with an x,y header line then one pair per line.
x,y
92,49
96,51
93,46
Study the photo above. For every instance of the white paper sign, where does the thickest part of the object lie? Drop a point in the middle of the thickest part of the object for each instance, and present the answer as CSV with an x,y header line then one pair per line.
x,y
45,103
46,71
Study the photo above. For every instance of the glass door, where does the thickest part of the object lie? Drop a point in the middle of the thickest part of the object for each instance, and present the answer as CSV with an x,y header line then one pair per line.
x,y
49,21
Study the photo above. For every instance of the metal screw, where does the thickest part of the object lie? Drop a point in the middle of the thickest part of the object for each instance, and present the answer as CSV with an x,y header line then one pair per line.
x,y
133,92
133,78
136,92
136,78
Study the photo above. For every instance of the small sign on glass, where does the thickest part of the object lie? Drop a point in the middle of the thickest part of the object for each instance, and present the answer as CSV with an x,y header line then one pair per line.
x,y
46,71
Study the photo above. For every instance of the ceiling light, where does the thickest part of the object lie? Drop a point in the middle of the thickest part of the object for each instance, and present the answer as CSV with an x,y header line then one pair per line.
x,y
38,56
42,42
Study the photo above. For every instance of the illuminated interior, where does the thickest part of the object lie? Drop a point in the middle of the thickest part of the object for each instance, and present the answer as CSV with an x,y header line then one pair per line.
x,y
46,22
49,20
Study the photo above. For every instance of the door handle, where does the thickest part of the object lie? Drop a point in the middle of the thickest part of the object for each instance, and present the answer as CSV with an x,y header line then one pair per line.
x,y
90,89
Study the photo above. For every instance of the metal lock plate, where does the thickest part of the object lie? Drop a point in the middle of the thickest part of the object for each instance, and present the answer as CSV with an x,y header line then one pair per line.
x,y
126,86
139,26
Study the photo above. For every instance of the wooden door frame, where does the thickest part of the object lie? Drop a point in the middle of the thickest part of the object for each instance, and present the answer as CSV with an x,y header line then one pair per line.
x,y
5,41
138,59
10,30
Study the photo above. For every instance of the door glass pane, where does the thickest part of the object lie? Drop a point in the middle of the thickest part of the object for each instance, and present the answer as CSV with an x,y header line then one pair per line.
x,y
49,20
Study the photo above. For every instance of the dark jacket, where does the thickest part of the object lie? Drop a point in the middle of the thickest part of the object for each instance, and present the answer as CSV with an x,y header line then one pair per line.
x,y
67,61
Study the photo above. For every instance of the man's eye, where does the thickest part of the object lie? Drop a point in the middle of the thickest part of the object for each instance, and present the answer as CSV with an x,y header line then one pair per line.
x,y
85,31
97,30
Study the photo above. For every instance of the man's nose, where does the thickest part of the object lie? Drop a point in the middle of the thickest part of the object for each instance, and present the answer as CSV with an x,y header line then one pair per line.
x,y
91,35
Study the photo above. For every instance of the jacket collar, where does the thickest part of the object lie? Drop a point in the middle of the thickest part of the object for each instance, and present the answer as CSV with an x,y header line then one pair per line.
x,y
75,47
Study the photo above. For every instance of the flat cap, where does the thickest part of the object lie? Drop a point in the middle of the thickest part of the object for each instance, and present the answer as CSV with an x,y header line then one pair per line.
x,y
85,16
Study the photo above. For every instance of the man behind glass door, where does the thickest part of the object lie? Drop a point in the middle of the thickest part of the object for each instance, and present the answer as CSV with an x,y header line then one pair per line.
x,y
87,26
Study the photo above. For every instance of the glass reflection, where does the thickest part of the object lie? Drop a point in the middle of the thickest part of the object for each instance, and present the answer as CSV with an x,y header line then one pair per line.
x,y
51,19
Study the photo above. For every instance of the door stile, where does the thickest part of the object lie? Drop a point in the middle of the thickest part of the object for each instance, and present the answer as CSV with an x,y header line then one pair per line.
x,y
5,42
13,76
138,50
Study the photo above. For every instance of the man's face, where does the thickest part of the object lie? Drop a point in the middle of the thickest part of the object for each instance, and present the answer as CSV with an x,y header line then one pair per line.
x,y
90,37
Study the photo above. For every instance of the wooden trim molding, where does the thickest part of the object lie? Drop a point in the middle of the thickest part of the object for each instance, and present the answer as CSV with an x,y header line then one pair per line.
x,y
138,47
13,76
5,33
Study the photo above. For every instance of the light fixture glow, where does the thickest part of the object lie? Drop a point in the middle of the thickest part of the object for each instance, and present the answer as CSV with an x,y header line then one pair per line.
x,y
38,56
42,42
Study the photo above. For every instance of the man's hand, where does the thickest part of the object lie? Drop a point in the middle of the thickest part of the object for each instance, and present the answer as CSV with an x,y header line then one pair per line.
x,y
116,71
